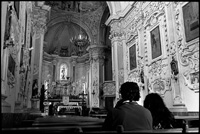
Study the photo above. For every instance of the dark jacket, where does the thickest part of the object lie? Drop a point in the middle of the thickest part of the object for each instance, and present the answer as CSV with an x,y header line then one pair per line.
x,y
130,115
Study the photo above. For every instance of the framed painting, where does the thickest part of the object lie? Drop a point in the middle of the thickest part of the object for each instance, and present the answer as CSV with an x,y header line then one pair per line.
x,y
132,55
155,43
191,20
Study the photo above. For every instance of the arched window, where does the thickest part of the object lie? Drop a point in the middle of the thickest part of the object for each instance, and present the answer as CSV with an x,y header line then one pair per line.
x,y
63,72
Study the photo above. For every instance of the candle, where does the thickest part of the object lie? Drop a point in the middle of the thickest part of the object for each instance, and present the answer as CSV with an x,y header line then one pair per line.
x,y
83,87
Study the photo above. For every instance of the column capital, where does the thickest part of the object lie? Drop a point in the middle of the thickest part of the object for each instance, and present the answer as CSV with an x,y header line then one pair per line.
x,y
74,60
117,35
96,52
39,17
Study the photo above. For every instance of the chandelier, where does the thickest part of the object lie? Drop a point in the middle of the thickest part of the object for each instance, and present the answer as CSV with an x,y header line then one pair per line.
x,y
81,40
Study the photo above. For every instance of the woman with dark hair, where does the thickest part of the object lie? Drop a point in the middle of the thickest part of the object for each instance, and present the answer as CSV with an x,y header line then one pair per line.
x,y
162,117
128,112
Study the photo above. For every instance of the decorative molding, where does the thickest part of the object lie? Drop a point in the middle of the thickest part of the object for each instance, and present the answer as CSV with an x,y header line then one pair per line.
x,y
109,88
134,76
160,86
191,80
38,18
188,53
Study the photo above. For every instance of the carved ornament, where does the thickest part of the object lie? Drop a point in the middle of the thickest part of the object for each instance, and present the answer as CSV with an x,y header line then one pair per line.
x,y
160,86
38,17
109,88
188,54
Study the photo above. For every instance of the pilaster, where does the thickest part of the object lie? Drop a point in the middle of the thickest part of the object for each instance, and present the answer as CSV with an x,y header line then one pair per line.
x,y
117,37
6,107
96,71
38,17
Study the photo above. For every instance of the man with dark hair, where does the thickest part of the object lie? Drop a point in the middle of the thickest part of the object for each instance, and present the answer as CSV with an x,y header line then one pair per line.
x,y
128,112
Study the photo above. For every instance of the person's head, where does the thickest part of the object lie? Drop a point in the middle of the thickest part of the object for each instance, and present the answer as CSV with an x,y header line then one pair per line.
x,y
130,91
154,101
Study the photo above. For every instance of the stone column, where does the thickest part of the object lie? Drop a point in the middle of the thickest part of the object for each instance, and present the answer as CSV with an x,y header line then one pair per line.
x,y
6,107
96,68
73,61
172,19
38,27
55,72
118,42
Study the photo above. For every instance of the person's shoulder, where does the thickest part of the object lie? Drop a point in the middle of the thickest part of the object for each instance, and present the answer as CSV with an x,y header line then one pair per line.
x,y
144,109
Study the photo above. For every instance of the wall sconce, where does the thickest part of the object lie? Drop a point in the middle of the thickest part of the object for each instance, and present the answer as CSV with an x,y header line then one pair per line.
x,y
8,43
30,49
93,92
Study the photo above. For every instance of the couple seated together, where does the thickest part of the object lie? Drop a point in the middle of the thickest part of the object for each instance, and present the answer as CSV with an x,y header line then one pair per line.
x,y
132,116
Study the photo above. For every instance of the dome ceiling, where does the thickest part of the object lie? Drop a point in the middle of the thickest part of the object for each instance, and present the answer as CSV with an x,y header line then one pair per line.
x,y
58,38
58,35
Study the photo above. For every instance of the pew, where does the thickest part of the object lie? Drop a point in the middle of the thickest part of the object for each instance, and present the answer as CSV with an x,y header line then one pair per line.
x,y
120,130
89,129
66,124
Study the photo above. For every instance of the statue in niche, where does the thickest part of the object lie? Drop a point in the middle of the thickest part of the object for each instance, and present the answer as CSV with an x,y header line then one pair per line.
x,y
35,88
174,67
63,73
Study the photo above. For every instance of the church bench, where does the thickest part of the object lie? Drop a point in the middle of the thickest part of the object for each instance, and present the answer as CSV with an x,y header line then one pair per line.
x,y
66,124
27,123
42,130
174,130
192,130
53,129
188,120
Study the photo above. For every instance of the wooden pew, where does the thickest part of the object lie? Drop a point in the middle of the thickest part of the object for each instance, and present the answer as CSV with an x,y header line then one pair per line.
x,y
41,130
192,130
65,124
120,129
187,119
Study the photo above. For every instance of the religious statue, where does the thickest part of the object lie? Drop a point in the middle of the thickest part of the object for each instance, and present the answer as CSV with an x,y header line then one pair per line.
x,y
35,88
63,73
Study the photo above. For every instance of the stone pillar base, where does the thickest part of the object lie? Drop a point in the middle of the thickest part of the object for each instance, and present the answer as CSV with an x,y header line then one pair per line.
x,y
179,111
34,108
18,108
5,106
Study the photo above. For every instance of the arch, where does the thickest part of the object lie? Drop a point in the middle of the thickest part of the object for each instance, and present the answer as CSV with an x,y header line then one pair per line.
x,y
114,7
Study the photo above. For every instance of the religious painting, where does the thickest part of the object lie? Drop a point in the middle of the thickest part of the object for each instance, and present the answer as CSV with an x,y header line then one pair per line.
x,y
11,65
155,43
191,20
132,55
35,88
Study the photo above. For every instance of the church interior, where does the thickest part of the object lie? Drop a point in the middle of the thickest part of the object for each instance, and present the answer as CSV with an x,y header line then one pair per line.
x,y
61,58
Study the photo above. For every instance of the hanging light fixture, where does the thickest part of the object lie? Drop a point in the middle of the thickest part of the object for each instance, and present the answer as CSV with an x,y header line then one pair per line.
x,y
82,40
